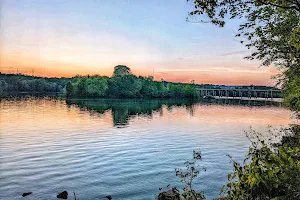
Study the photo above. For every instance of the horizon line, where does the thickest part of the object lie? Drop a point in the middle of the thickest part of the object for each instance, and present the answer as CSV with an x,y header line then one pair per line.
x,y
92,75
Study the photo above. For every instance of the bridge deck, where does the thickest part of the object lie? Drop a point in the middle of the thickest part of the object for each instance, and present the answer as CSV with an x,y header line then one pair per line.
x,y
235,92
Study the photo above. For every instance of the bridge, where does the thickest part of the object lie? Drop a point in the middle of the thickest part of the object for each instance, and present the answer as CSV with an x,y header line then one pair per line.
x,y
239,93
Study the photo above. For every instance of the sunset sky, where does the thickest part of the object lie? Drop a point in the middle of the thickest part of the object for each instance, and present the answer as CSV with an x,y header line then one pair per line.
x,y
68,37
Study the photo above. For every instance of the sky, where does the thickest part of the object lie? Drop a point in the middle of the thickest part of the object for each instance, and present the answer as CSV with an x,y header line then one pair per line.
x,y
67,37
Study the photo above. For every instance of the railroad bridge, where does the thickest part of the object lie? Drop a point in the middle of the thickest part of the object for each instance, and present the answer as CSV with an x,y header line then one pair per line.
x,y
239,93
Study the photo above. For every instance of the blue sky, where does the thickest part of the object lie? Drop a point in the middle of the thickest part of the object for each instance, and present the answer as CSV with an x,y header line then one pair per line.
x,y
64,38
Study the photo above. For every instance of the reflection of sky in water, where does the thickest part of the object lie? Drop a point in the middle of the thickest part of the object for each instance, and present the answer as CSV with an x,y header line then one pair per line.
x,y
48,146
208,112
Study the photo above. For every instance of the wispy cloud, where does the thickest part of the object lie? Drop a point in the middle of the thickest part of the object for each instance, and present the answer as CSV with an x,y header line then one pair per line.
x,y
217,69
235,53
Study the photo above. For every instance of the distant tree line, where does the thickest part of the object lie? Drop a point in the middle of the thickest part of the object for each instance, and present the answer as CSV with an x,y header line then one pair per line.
x,y
24,83
123,84
126,85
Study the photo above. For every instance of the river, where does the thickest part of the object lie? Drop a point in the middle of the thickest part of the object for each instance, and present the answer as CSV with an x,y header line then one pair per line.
x,y
124,148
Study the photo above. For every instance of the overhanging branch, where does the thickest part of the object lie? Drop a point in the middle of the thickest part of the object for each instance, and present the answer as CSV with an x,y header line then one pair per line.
x,y
296,5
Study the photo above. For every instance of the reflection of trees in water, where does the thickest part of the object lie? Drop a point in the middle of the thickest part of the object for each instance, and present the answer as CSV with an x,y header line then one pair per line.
x,y
122,112
125,109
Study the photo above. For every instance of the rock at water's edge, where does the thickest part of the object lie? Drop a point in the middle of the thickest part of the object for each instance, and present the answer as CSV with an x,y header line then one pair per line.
x,y
26,194
109,197
63,195
169,195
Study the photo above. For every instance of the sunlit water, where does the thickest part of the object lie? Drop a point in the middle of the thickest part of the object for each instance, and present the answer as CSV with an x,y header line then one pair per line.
x,y
127,149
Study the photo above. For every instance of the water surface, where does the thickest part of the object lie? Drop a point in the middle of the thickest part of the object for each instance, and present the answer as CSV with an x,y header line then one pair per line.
x,y
124,148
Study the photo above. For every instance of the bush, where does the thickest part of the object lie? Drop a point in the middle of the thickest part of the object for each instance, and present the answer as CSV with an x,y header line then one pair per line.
x,y
269,171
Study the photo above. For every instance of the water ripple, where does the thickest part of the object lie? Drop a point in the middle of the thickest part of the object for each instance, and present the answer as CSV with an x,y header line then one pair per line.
x,y
47,147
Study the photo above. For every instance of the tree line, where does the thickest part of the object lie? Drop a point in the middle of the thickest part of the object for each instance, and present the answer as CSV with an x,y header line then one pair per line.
x,y
24,83
124,84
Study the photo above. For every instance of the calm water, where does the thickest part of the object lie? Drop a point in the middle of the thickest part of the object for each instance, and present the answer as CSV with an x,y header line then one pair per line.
x,y
124,148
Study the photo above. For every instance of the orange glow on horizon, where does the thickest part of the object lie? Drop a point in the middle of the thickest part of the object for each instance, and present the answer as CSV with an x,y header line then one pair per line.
x,y
35,40
10,63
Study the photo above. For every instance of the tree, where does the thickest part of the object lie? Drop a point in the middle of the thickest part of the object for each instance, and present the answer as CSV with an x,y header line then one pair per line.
x,y
292,93
121,70
269,171
190,91
124,86
96,86
3,85
80,86
149,88
271,31
69,89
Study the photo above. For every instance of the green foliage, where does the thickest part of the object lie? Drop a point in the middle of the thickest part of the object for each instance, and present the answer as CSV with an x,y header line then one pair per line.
x,y
291,92
23,83
186,90
3,86
295,38
269,171
123,84
96,86
291,87
271,30
69,89
190,91
292,139
79,87
150,88
121,70
188,175
88,86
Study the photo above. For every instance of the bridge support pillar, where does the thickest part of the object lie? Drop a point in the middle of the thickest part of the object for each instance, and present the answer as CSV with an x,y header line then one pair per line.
x,y
271,94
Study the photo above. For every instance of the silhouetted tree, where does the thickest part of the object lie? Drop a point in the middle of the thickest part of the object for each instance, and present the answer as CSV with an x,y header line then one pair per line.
x,y
121,70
